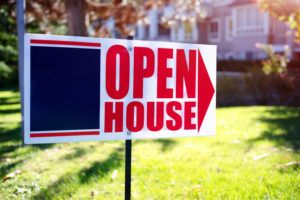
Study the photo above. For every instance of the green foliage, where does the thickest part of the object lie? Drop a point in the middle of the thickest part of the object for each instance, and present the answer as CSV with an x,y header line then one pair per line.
x,y
276,63
8,46
5,73
255,155
7,22
8,50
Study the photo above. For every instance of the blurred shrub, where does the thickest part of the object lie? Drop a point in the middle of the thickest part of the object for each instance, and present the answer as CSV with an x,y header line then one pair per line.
x,y
294,65
274,83
255,87
232,89
274,89
244,65
237,65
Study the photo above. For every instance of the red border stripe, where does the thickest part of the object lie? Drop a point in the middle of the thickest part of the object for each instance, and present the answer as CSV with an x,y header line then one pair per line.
x,y
60,42
63,134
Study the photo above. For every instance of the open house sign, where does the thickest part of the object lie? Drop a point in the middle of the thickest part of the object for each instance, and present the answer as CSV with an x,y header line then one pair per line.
x,y
87,89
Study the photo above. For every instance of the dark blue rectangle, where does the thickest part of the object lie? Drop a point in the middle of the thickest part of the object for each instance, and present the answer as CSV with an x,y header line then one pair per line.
x,y
65,88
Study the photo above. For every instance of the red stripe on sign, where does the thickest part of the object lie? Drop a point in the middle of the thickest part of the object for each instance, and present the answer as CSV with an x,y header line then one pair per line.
x,y
60,42
63,134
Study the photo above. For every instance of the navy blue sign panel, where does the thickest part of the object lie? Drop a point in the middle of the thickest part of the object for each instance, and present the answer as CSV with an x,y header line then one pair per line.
x,y
65,89
66,105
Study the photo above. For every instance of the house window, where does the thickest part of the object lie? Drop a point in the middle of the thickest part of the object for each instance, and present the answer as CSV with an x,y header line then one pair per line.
x,y
214,30
229,28
249,55
240,55
229,55
185,31
163,30
249,21
188,30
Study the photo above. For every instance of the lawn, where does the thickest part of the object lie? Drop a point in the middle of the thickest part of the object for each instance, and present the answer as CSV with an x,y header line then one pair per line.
x,y
255,155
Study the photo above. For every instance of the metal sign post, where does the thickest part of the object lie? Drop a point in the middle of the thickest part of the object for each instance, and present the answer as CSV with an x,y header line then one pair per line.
x,y
128,161
21,32
127,169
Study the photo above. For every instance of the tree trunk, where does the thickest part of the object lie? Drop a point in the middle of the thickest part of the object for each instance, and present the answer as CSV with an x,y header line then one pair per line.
x,y
76,17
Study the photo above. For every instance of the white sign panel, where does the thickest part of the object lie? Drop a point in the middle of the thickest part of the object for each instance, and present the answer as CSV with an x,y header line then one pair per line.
x,y
90,89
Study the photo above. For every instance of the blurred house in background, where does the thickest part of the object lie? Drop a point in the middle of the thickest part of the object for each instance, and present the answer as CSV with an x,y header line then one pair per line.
x,y
236,26
171,21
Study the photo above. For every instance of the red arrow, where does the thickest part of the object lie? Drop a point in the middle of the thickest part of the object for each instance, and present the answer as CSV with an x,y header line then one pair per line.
x,y
205,90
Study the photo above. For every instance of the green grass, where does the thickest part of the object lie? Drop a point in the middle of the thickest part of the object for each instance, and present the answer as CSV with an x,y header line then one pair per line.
x,y
246,160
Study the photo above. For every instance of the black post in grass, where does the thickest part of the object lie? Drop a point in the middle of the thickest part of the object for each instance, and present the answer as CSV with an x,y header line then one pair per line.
x,y
128,161
128,170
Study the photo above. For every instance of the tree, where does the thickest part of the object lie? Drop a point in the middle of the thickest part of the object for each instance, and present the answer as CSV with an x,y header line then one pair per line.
x,y
77,15
287,11
76,10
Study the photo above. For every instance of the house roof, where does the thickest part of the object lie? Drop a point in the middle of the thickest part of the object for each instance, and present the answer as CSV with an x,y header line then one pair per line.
x,y
242,2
